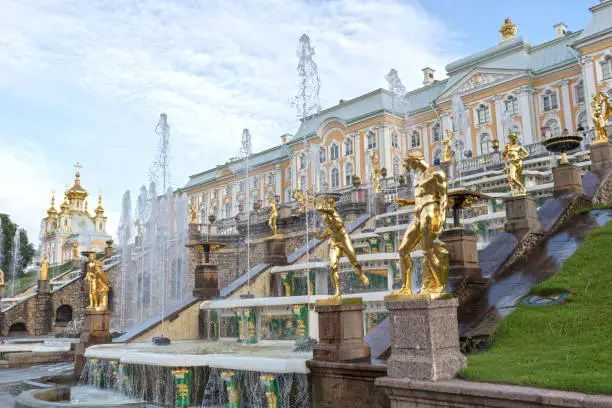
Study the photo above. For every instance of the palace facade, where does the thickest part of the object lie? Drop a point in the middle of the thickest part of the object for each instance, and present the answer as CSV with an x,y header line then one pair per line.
x,y
73,228
536,91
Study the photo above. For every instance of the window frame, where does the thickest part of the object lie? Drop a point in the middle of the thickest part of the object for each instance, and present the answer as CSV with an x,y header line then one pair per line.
x,y
486,113
334,149
349,143
334,181
371,135
347,173
412,138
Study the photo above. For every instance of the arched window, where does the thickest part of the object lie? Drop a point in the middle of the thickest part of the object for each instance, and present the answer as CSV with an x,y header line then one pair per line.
x,y
551,129
579,92
215,211
371,139
288,173
394,141
606,68
436,133
333,152
483,114
335,178
321,155
581,122
511,105
322,179
348,174
550,101
415,139
486,143
348,147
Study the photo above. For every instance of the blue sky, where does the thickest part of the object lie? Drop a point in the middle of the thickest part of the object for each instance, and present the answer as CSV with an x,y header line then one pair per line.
x,y
82,81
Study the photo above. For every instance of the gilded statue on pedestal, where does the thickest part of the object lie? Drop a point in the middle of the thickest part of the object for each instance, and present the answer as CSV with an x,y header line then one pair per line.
x,y
448,153
98,285
273,215
601,110
44,269
375,173
430,205
513,156
1,277
192,214
299,197
339,243
75,250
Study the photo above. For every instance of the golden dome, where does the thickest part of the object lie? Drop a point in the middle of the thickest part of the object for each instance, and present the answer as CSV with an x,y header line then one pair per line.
x,y
65,205
52,211
99,209
77,192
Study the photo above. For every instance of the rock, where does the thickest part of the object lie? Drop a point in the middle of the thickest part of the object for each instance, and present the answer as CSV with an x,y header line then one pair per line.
x,y
160,341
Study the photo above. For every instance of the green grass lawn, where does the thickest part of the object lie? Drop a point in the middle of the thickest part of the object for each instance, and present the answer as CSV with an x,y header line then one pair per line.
x,y
25,280
566,347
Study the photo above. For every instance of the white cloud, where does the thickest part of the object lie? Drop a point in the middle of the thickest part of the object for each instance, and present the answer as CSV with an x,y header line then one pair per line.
x,y
215,67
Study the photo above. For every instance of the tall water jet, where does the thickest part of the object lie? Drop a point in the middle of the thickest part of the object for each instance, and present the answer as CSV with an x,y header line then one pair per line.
x,y
245,152
1,244
160,167
16,259
124,233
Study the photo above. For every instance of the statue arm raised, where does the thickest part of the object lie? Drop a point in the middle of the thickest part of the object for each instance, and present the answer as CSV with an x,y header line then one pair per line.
x,y
323,235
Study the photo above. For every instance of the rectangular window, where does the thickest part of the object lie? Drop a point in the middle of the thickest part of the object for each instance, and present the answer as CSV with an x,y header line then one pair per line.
x,y
606,69
579,90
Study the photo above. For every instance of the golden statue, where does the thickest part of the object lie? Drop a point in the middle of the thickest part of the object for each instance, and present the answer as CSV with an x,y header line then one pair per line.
x,y
430,205
447,146
273,215
601,110
192,214
75,250
339,243
98,285
44,268
299,197
375,173
1,278
508,30
513,156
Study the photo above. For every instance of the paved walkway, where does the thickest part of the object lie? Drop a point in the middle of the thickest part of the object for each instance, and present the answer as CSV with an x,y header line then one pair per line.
x,y
11,379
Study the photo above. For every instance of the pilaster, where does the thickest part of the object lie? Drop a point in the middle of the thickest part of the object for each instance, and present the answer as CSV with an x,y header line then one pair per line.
x,y
498,120
567,107
588,73
527,115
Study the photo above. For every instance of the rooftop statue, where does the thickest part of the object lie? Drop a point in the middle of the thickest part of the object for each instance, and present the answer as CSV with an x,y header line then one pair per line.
x,y
508,30
513,156
430,205
601,110
339,243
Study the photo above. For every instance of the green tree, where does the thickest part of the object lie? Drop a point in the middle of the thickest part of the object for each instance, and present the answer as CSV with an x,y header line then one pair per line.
x,y
25,248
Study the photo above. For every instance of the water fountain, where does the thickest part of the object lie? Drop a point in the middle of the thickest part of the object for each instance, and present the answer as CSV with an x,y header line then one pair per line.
x,y
15,259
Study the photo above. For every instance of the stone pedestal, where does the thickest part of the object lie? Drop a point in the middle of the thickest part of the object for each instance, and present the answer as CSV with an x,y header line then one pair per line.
x,y
568,179
341,331
206,281
275,252
522,216
95,331
601,157
44,286
3,291
380,203
462,256
424,339
193,231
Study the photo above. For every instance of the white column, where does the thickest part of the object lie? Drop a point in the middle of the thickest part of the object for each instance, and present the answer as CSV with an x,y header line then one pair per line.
x,y
527,115
567,107
220,199
384,147
426,140
468,131
294,164
279,185
589,82
498,120
357,154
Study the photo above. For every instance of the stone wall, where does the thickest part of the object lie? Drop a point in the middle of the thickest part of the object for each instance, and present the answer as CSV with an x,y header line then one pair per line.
x,y
183,326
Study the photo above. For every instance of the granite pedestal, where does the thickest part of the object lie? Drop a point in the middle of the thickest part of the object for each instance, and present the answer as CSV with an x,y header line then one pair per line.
x,y
522,216
96,330
44,308
601,157
567,179
341,331
275,252
424,339
3,291
462,256
206,281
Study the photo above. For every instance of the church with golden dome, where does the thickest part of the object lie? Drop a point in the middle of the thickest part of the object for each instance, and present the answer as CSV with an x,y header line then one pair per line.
x,y
73,228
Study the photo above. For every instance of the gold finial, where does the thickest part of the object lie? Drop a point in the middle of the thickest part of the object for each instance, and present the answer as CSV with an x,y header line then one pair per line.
x,y
52,209
508,30
78,168
86,211
99,210
52,198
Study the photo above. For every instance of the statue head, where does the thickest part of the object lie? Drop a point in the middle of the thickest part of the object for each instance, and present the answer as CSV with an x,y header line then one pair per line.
x,y
92,257
331,203
414,160
513,137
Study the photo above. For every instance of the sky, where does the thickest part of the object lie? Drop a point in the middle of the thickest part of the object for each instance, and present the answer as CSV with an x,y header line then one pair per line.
x,y
86,80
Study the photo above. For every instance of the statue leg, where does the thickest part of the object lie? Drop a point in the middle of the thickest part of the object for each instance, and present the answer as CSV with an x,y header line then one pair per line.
x,y
349,251
519,175
434,252
409,241
334,257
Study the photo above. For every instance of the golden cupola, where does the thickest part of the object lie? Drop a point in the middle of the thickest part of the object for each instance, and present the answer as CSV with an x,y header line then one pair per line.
x,y
99,209
65,205
76,193
52,212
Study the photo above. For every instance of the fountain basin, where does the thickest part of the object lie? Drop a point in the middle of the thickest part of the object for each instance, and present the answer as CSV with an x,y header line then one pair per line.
x,y
562,144
80,396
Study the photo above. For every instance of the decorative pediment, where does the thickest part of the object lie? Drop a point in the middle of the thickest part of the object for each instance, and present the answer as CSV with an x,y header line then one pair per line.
x,y
479,79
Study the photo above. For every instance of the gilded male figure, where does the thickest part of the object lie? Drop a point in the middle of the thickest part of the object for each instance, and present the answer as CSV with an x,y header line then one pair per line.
x,y
601,110
339,243
299,197
44,268
430,205
98,285
513,156
375,173
448,153
273,215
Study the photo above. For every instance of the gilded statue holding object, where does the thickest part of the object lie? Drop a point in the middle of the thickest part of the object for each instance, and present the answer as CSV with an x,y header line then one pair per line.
x,y
339,243
2,278
273,215
75,250
44,269
430,205
508,30
299,197
601,110
375,173
513,156
98,285
192,214
448,153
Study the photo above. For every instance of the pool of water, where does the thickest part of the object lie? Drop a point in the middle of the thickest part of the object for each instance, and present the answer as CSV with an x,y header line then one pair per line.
x,y
86,395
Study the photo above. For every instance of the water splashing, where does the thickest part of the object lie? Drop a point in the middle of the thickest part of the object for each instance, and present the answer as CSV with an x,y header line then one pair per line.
x,y
458,113
16,259
307,101
400,102
245,152
124,233
1,245
160,167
